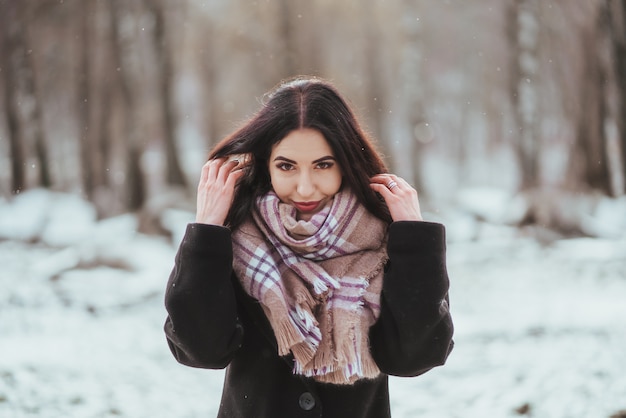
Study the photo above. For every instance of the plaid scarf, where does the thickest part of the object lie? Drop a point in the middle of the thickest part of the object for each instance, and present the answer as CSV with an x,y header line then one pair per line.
x,y
318,281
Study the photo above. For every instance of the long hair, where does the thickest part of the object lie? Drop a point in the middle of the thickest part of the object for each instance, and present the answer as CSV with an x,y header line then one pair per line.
x,y
302,102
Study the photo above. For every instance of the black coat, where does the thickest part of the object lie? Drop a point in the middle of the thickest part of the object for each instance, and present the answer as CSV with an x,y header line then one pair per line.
x,y
213,323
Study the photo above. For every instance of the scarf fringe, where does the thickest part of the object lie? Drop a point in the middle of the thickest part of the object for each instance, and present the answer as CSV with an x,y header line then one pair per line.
x,y
319,287
303,353
343,364
287,334
366,369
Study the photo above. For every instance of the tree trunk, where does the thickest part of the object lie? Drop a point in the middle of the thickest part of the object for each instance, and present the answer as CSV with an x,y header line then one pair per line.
x,y
22,98
84,101
523,28
415,120
209,91
376,97
617,16
174,173
135,181
11,47
32,117
288,39
41,149
590,165
102,88
104,133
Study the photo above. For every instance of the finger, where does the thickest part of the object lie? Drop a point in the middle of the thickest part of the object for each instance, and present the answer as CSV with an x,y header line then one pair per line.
x,y
226,169
390,182
382,190
213,169
384,179
380,178
204,173
233,177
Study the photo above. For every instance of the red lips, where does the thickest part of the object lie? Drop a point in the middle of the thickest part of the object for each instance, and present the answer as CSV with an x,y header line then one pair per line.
x,y
306,206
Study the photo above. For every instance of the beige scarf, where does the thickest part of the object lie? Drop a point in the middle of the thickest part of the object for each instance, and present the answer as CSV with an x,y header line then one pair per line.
x,y
318,281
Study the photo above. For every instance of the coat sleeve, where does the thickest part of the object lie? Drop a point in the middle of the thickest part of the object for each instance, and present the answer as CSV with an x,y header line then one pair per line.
x,y
202,327
414,331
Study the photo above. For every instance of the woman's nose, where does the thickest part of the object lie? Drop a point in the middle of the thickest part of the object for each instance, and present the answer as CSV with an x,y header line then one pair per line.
x,y
305,186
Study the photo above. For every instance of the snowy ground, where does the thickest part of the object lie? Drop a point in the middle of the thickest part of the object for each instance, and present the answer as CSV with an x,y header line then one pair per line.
x,y
540,330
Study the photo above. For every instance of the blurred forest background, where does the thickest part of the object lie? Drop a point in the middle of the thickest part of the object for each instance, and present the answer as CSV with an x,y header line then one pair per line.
x,y
119,101
508,116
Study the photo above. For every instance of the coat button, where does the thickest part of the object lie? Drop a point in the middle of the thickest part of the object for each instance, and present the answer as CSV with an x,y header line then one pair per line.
x,y
307,401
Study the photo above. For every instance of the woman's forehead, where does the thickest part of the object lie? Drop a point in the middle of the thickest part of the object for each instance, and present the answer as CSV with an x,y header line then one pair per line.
x,y
303,145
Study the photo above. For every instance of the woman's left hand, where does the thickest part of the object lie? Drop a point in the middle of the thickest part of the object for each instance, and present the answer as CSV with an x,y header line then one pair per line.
x,y
400,197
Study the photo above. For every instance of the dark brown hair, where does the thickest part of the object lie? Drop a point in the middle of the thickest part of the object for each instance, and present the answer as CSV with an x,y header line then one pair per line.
x,y
303,102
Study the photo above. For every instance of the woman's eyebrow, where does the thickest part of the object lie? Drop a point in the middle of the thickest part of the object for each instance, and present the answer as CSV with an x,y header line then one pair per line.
x,y
328,157
319,160
281,158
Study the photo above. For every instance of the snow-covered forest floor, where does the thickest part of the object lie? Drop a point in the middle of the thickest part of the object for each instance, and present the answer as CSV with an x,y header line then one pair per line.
x,y
540,328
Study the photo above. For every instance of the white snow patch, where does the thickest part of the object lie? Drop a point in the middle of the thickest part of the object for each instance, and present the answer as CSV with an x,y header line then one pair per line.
x,y
70,220
491,204
608,219
24,217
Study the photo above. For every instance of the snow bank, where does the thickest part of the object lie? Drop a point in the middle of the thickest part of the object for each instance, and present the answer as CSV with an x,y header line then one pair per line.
x,y
54,218
492,205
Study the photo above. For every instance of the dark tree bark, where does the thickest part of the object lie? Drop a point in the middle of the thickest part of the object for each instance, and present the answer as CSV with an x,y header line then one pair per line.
x,y
104,133
41,148
85,135
589,161
135,181
33,117
174,173
10,24
617,16
22,99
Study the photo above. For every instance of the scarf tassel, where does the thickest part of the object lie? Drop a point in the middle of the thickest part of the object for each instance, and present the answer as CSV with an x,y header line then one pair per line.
x,y
287,334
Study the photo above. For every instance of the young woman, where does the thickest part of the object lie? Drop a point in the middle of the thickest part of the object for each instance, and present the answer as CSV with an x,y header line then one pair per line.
x,y
309,273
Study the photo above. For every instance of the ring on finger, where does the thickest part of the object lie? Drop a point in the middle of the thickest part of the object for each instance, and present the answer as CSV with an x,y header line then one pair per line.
x,y
391,184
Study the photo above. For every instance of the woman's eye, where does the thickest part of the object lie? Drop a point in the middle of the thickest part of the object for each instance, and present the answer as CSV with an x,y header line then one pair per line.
x,y
324,165
284,166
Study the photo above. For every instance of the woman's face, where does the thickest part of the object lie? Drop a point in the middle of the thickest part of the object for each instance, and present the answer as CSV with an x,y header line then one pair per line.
x,y
304,172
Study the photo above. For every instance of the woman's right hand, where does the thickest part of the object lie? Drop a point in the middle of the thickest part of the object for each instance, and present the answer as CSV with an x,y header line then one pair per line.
x,y
216,190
